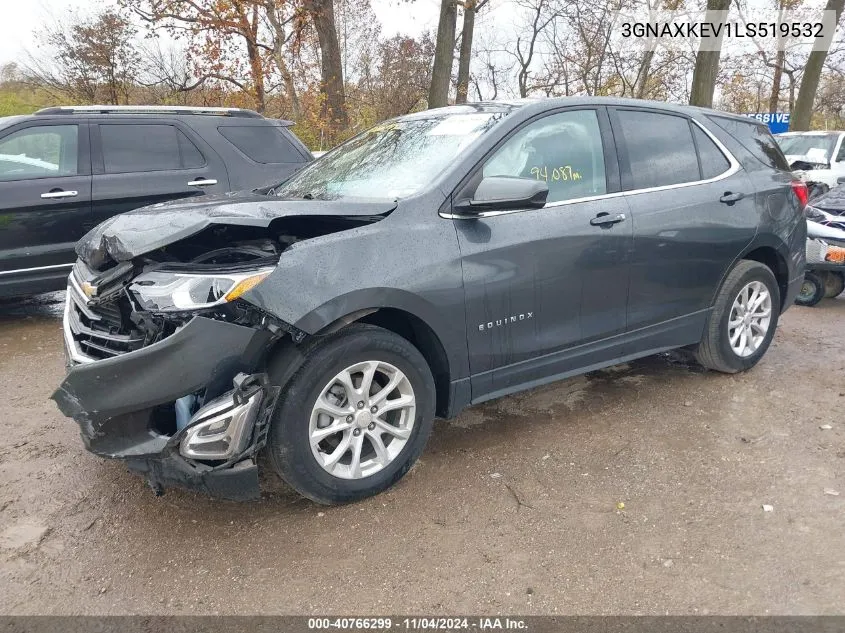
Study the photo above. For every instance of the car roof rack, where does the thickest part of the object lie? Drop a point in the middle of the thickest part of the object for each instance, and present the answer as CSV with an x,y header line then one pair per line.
x,y
154,109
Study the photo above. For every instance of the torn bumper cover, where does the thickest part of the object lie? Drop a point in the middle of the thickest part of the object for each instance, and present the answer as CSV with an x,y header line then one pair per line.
x,y
124,408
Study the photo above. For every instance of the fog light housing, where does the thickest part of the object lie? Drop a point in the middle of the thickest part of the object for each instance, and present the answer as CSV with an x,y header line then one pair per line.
x,y
221,429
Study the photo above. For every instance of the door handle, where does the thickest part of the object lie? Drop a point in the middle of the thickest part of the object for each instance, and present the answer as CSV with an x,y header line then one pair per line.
x,y
199,182
730,197
605,219
60,194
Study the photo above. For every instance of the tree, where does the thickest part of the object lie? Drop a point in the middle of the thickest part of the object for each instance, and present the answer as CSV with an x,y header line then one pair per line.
x,y
803,111
707,60
444,55
333,108
471,7
401,78
87,59
211,27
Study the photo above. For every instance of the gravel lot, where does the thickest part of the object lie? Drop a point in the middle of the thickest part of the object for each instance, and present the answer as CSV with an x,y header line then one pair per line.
x,y
513,508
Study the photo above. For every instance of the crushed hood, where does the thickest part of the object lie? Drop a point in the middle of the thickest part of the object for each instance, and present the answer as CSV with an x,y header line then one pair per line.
x,y
144,230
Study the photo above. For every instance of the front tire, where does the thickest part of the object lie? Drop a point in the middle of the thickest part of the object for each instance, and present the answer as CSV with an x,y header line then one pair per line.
x,y
743,320
354,418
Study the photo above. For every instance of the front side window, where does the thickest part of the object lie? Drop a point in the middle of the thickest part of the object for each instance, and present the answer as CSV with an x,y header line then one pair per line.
x,y
140,148
660,149
840,155
563,150
392,160
40,152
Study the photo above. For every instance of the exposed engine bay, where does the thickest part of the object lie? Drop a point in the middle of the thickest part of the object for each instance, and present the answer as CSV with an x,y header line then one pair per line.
x,y
167,359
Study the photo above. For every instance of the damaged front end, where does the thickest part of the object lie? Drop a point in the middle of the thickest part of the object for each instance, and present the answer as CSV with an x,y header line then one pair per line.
x,y
178,394
166,359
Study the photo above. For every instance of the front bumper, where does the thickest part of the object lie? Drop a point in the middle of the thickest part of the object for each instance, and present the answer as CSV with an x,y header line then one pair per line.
x,y
118,403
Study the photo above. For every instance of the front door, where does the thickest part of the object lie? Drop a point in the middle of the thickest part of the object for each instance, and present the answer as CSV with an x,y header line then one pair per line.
x,y
45,199
546,289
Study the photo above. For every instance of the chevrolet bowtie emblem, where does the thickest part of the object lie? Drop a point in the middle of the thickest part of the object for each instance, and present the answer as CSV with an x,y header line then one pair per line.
x,y
89,290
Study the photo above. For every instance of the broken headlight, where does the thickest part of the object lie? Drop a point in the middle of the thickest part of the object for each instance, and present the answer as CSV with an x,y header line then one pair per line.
x,y
160,291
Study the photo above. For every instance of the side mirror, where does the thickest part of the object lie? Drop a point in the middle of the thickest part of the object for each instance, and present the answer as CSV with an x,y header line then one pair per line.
x,y
505,193
840,180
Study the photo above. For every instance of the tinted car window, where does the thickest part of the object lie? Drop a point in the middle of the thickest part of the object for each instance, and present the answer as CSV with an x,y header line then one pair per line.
x,y
756,138
39,152
563,150
660,149
713,161
263,144
191,156
136,148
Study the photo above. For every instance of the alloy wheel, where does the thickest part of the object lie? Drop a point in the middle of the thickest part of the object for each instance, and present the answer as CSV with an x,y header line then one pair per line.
x,y
750,318
362,419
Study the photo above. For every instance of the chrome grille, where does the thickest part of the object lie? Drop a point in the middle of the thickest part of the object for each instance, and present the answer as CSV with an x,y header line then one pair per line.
x,y
95,332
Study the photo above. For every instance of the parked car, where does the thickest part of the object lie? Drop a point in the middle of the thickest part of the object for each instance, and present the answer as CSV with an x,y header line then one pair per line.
x,y
438,260
817,157
824,276
65,170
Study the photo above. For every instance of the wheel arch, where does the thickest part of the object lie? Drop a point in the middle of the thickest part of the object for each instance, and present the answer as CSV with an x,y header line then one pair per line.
x,y
774,260
443,345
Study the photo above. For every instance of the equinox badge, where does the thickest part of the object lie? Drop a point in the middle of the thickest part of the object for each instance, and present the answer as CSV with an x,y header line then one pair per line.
x,y
514,318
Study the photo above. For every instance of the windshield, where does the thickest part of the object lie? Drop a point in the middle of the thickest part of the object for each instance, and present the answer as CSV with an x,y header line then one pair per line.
x,y
392,160
816,147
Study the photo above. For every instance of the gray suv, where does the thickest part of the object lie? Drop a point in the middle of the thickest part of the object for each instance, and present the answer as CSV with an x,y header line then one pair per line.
x,y
435,261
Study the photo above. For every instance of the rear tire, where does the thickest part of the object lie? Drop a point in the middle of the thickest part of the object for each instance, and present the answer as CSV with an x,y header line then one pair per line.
x,y
732,341
377,391
834,284
812,290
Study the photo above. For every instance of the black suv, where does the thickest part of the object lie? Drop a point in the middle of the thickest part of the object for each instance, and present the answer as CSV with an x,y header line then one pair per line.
x,y
65,170
438,260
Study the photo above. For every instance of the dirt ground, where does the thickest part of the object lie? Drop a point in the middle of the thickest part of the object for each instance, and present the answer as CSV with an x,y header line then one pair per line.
x,y
513,508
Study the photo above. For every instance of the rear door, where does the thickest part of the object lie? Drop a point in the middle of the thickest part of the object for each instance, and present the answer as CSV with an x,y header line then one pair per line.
x,y
693,213
140,162
45,197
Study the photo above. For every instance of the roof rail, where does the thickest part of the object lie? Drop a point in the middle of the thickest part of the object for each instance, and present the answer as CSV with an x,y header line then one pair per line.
x,y
154,109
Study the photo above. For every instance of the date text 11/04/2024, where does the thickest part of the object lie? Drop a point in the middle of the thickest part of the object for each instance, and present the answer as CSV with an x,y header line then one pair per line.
x,y
419,623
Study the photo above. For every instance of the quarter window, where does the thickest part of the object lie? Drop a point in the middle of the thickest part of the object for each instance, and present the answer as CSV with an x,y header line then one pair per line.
x,y
756,138
713,161
140,148
263,144
563,150
660,149
39,152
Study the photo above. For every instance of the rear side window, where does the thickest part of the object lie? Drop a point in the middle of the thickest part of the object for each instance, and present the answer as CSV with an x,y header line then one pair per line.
x,y
755,138
261,143
713,161
139,148
660,149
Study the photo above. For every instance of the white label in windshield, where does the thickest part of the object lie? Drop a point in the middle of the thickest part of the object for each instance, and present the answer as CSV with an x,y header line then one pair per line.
x,y
459,125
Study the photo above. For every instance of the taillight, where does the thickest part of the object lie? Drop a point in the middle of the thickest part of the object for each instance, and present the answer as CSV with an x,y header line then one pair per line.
x,y
800,189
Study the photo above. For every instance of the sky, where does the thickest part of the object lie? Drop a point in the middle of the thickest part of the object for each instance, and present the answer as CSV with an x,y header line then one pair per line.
x,y
22,17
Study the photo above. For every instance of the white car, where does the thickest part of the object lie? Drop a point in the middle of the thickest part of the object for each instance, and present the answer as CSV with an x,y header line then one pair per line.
x,y
823,151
